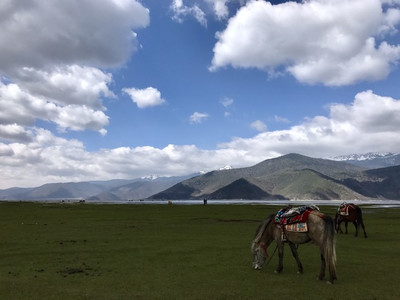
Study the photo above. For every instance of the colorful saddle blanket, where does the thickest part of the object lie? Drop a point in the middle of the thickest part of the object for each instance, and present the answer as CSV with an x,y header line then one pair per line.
x,y
344,208
294,218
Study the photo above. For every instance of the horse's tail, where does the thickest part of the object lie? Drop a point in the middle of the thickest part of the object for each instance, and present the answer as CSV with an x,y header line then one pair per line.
x,y
359,217
330,247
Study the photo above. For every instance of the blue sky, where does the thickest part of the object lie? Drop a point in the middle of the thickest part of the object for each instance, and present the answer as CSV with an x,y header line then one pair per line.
x,y
97,90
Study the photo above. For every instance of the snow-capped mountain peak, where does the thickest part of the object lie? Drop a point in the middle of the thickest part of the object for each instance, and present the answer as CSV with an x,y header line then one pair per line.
x,y
227,167
366,156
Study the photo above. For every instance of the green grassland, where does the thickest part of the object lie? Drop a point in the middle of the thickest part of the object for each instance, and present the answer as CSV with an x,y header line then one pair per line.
x,y
87,251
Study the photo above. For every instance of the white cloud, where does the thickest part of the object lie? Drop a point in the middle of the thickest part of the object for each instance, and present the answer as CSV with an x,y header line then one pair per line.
x,y
145,97
227,102
259,126
318,41
19,108
14,132
38,34
220,8
180,11
50,58
197,117
369,124
69,84
281,119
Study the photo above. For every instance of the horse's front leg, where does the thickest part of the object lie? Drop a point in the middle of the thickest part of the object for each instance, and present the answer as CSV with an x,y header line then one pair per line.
x,y
280,256
345,225
296,257
323,266
339,229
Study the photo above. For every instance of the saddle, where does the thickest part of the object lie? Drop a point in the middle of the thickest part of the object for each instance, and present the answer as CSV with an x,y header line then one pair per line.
x,y
294,218
344,208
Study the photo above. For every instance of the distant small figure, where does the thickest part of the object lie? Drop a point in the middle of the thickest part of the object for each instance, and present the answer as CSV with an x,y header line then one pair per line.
x,y
204,201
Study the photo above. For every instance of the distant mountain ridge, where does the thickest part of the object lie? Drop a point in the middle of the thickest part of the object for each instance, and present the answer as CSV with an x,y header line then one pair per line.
x,y
291,176
110,190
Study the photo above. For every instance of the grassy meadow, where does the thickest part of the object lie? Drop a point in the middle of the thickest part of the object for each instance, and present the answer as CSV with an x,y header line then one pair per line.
x,y
89,251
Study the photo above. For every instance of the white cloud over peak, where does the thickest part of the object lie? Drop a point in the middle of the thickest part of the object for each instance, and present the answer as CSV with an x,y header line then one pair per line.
x,y
359,127
333,42
145,97
368,124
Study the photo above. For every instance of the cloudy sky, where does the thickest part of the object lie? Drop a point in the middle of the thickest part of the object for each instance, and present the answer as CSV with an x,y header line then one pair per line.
x,y
97,90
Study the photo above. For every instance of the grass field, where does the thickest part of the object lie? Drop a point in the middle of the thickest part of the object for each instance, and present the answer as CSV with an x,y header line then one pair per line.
x,y
86,251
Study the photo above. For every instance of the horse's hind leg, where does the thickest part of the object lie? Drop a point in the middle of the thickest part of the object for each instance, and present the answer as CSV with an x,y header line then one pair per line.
x,y
296,257
363,227
323,267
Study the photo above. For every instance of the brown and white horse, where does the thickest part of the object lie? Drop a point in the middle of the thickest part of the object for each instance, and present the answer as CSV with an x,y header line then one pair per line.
x,y
349,212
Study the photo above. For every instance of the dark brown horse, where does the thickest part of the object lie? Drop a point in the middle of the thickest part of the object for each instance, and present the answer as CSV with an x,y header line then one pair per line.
x,y
321,232
349,212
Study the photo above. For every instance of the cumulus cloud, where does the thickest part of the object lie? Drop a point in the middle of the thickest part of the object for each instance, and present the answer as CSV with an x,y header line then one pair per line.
x,y
333,42
71,84
197,117
369,123
19,108
51,60
145,97
40,34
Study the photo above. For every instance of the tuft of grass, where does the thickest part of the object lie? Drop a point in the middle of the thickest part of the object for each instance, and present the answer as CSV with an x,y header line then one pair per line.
x,y
86,251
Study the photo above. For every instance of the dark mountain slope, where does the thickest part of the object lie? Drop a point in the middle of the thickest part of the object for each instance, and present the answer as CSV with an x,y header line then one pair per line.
x,y
384,182
242,189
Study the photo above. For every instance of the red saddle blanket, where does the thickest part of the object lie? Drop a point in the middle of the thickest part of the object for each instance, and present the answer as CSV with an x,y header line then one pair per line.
x,y
344,209
298,216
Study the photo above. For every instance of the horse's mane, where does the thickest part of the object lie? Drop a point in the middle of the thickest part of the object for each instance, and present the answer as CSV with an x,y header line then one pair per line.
x,y
262,227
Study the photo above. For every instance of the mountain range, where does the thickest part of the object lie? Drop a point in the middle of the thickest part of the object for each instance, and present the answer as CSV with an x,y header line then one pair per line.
x,y
291,176
111,190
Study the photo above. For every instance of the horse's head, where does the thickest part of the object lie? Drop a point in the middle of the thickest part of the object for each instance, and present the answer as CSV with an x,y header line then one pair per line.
x,y
260,254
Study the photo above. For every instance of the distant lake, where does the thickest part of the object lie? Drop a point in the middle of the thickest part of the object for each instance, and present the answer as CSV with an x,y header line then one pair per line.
x,y
375,203
380,203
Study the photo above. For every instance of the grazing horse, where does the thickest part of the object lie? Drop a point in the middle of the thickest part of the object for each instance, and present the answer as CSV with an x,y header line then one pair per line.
x,y
320,231
349,212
